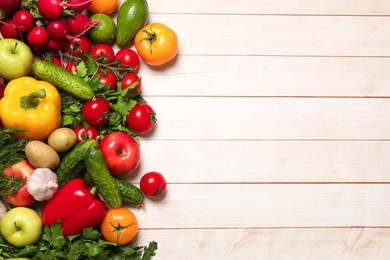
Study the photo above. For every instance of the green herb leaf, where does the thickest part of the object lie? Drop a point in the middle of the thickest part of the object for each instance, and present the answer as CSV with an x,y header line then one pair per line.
x,y
52,245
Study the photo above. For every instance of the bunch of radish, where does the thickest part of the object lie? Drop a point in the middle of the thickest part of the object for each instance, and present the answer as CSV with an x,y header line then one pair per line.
x,y
46,23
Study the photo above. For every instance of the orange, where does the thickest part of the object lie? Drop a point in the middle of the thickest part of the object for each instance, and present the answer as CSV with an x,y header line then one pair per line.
x,y
103,6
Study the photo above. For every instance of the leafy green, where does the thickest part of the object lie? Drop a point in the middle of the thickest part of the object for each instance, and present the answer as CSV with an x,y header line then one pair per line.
x,y
11,153
52,245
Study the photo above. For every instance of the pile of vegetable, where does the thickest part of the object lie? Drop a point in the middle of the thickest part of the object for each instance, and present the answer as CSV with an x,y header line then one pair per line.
x,y
71,114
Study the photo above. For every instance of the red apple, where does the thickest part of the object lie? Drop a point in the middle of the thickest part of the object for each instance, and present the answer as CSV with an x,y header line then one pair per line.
x,y
22,198
121,152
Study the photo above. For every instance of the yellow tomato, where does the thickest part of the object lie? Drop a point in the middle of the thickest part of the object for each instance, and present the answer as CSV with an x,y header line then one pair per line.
x,y
103,6
156,44
119,226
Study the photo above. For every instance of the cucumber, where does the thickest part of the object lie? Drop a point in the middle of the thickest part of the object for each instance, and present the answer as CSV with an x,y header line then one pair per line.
x,y
132,17
102,178
130,193
63,79
73,162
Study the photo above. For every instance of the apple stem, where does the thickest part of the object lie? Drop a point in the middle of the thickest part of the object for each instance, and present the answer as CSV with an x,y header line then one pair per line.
x,y
14,50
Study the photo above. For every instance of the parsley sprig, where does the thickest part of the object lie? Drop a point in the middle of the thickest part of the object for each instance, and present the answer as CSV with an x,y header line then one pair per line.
x,y
52,245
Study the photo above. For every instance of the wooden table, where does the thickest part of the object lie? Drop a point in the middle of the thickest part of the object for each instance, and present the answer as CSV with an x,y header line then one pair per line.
x,y
273,131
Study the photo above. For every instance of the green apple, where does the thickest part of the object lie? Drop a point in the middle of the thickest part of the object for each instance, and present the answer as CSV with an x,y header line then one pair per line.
x,y
16,59
21,226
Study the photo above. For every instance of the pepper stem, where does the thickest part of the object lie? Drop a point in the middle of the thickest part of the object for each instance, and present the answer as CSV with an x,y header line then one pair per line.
x,y
32,100
93,190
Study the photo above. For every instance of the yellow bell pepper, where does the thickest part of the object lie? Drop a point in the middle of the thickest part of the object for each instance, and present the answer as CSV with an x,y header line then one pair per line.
x,y
31,105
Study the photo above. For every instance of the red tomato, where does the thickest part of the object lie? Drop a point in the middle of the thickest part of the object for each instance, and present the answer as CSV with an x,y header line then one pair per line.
x,y
103,53
131,78
128,57
84,133
83,43
108,78
96,111
141,118
153,185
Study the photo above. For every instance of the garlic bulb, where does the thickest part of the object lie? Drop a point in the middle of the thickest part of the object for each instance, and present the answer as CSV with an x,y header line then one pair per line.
x,y
3,209
42,184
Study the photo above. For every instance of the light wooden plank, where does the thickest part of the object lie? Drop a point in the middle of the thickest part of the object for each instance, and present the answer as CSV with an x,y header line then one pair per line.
x,y
268,205
298,243
271,118
229,161
269,76
279,35
332,7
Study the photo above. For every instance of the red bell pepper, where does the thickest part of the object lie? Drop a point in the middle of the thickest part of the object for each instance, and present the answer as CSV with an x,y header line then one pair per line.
x,y
76,205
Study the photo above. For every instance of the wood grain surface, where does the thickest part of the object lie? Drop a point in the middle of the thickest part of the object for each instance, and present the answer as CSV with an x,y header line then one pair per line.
x,y
273,131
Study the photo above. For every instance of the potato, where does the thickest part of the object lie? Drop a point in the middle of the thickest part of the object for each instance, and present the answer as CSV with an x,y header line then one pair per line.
x,y
62,139
41,155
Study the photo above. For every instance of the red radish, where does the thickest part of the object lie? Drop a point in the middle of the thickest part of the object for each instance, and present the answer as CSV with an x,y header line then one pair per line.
x,y
80,24
56,61
78,5
57,29
50,9
56,44
23,20
38,36
8,30
10,5
83,43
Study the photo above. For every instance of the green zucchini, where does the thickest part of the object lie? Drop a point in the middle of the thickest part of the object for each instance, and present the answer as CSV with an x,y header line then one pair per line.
x,y
102,178
130,193
63,79
73,162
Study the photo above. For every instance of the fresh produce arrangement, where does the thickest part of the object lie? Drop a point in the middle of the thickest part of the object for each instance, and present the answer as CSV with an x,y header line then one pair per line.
x,y
71,114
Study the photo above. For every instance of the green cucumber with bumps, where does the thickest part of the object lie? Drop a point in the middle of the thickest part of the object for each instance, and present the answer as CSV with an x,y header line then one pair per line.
x,y
73,162
101,177
63,79
130,193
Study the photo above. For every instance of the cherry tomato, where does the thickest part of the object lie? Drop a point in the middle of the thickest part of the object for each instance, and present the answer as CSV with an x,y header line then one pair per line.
x,y
84,133
83,43
153,185
108,78
128,57
71,67
141,118
131,78
96,111
156,44
119,226
103,52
